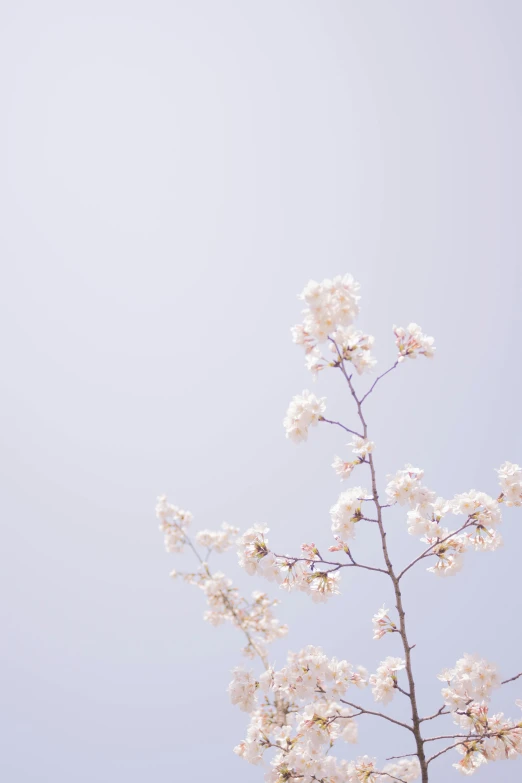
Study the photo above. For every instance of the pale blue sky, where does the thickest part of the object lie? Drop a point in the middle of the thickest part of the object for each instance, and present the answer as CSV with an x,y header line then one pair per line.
x,y
173,173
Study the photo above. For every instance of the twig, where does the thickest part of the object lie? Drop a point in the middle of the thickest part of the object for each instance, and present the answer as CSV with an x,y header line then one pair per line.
x,y
376,381
329,421
377,714
428,551
441,711
511,679
320,561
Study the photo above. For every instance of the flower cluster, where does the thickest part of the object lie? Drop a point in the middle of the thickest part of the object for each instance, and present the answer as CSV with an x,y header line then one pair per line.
x,y
351,345
254,555
255,617
362,447
332,307
330,304
242,689
219,540
405,487
427,512
510,477
301,716
304,411
292,573
471,678
411,342
365,770
347,512
174,522
308,578
382,624
493,738
448,549
384,681
425,519
489,737
483,515
310,671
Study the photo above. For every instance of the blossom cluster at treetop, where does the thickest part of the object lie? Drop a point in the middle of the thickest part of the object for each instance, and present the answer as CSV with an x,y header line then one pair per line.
x,y
300,712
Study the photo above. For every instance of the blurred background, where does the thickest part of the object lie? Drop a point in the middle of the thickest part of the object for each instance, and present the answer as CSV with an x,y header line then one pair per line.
x,y
173,173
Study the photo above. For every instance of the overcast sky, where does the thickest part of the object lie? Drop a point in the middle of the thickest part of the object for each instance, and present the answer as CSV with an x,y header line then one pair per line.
x,y
173,173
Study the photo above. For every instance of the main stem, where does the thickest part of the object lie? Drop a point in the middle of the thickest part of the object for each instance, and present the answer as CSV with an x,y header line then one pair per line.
x,y
398,596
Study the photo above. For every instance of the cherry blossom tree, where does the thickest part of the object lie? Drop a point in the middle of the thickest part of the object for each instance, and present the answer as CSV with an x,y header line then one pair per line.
x,y
299,712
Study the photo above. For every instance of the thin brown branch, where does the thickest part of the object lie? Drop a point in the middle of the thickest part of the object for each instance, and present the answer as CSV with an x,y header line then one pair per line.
x,y
428,551
441,711
364,711
329,421
511,679
312,561
376,381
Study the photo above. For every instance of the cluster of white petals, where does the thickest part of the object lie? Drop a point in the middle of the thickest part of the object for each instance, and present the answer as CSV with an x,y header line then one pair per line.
x,y
471,678
304,411
353,346
494,738
483,516
332,307
362,447
478,506
307,578
254,555
301,716
330,304
384,681
347,512
406,488
448,550
302,574
310,671
427,512
242,689
225,604
424,519
365,770
411,342
510,477
174,522
489,737
382,623
219,540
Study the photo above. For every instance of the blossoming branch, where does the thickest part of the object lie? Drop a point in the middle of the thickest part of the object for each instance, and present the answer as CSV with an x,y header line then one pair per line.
x,y
299,712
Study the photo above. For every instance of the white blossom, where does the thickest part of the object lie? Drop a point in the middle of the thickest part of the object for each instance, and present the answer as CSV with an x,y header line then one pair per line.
x,y
361,446
252,548
347,512
479,507
411,342
384,681
219,540
510,478
242,689
174,522
382,623
353,346
304,411
405,487
471,678
448,552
